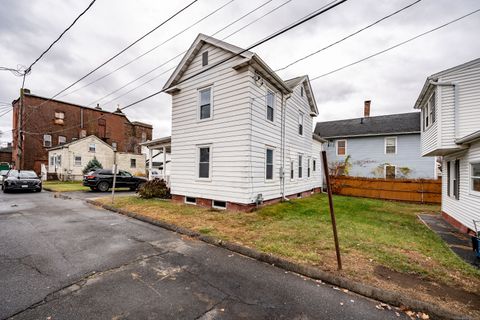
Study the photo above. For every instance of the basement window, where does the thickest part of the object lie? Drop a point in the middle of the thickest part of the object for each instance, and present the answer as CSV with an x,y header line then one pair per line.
x,y
190,200
222,205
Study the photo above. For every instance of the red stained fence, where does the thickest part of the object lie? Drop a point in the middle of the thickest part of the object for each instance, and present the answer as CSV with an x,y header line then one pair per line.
x,y
418,190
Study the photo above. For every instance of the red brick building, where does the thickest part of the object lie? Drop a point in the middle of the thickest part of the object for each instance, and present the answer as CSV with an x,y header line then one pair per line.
x,y
56,122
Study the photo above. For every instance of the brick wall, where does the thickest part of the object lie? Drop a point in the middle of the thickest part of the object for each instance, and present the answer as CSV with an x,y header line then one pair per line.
x,y
78,121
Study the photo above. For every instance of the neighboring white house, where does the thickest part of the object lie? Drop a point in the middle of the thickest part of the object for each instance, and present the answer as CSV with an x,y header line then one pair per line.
x,y
240,134
68,160
450,106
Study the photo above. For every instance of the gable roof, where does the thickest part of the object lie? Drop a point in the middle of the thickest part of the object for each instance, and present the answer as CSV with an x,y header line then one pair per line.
x,y
402,123
249,58
294,82
434,77
66,145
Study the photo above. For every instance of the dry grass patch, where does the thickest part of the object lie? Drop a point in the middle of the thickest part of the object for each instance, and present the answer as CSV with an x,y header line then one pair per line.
x,y
373,234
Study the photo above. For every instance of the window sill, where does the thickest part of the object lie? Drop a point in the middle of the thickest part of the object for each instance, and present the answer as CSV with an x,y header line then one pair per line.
x,y
204,120
203,179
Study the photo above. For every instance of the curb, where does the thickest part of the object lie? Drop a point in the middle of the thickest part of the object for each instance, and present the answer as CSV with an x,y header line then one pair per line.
x,y
390,297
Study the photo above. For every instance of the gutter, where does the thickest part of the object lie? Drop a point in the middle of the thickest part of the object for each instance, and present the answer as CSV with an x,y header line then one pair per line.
x,y
455,101
283,144
473,136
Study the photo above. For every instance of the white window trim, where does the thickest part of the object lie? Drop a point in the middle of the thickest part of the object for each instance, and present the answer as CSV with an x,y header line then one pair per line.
x,y
197,166
199,101
426,110
94,147
218,207
385,145
309,167
470,178
266,105
336,148
273,164
190,203
75,161
50,140
301,115
208,58
385,170
292,167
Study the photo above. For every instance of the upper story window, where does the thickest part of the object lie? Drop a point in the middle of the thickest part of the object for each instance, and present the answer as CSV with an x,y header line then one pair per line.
x,y
59,117
341,147
270,105
475,177
269,164
92,147
300,123
429,112
301,91
205,100
62,139
47,140
391,145
114,146
144,136
204,162
204,58
83,133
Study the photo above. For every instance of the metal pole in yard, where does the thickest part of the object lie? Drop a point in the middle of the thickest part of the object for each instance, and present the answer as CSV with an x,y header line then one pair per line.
x,y
332,213
114,169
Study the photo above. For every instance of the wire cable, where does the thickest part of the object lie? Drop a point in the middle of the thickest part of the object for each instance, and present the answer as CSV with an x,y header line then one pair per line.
x,y
349,36
150,50
59,37
395,46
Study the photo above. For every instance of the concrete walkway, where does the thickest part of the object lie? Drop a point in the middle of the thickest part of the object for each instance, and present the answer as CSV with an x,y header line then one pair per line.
x,y
460,243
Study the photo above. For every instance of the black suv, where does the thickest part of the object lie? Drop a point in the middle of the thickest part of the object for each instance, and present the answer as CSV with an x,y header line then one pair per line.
x,y
102,180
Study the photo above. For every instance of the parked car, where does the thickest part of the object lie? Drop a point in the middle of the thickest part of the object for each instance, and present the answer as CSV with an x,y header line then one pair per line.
x,y
22,180
102,180
3,175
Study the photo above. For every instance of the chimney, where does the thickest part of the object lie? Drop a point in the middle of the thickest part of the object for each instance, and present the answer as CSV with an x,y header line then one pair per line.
x,y
98,107
366,109
25,90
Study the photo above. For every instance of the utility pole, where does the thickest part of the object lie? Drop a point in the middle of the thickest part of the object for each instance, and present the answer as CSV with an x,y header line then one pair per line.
x,y
114,169
19,130
332,213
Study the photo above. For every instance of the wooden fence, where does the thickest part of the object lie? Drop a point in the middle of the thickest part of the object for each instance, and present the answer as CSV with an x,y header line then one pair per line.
x,y
423,191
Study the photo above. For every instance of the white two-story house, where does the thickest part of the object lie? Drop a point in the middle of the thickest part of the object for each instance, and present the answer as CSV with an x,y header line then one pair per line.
x,y
241,135
450,124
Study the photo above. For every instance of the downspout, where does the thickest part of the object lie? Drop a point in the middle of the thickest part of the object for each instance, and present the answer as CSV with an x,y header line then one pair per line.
x,y
283,142
455,102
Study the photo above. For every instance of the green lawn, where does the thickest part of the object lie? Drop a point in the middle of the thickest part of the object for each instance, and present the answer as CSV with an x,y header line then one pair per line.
x,y
373,234
64,186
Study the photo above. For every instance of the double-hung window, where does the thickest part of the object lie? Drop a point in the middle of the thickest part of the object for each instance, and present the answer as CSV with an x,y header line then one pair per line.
x,y
292,170
269,164
78,161
449,178
47,140
62,140
429,112
92,147
300,123
475,177
341,147
300,168
456,181
204,162
205,100
391,145
308,167
314,165
270,105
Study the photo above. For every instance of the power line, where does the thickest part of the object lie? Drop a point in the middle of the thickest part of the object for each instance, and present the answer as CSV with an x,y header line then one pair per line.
x,y
325,8
395,46
6,112
329,6
150,50
178,55
60,36
121,51
349,36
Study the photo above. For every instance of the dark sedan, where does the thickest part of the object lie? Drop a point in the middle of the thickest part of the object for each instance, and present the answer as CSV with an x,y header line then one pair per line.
x,y
102,180
22,180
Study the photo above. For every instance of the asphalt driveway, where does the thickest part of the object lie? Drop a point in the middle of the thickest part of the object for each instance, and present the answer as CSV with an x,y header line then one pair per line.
x,y
62,259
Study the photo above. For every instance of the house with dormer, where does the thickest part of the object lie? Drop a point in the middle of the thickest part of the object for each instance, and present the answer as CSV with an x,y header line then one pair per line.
x,y
241,135
450,128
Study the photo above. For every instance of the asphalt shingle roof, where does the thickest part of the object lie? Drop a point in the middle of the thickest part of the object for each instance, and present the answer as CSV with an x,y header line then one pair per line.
x,y
388,124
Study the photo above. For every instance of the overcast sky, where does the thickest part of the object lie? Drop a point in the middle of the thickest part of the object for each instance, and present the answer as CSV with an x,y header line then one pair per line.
x,y
392,80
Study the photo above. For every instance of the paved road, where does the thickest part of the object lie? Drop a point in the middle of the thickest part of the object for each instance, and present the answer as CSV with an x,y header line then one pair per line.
x,y
62,259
